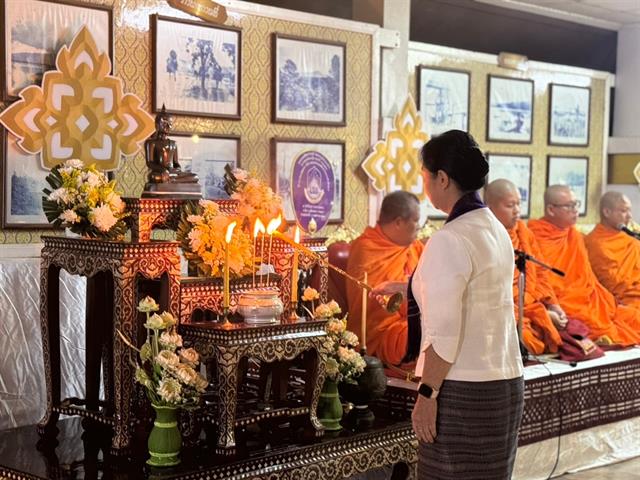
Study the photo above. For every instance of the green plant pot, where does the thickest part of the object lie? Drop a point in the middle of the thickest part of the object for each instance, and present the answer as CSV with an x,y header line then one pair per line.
x,y
164,441
329,407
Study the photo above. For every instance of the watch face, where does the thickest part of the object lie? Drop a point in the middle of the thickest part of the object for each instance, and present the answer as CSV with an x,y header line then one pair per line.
x,y
425,390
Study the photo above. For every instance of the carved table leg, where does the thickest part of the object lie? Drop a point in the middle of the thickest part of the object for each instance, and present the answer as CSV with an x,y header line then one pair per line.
x,y
227,360
314,362
50,325
124,319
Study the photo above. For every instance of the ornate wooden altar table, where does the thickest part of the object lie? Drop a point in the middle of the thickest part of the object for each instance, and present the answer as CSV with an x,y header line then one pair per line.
x,y
228,344
112,270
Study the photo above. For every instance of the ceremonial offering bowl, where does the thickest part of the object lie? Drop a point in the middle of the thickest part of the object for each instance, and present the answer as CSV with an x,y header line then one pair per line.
x,y
260,307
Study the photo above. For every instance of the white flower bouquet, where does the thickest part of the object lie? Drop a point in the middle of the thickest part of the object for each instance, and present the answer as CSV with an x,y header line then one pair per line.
x,y
165,368
344,364
342,234
85,201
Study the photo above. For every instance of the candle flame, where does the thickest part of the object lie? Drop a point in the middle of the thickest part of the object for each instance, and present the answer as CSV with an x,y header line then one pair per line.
x,y
230,229
296,236
274,224
258,227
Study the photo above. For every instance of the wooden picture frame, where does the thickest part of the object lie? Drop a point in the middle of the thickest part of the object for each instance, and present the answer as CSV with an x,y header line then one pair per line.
x,y
23,179
285,154
443,98
304,97
509,109
569,115
572,171
517,169
206,155
34,32
213,51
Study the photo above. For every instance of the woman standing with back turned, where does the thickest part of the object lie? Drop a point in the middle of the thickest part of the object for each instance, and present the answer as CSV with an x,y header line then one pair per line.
x,y
470,398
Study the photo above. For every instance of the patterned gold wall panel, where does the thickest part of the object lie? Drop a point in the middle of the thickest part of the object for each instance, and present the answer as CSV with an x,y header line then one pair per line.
x,y
539,148
133,64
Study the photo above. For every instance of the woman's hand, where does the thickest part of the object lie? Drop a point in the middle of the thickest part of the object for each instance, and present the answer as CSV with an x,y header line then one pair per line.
x,y
423,418
388,288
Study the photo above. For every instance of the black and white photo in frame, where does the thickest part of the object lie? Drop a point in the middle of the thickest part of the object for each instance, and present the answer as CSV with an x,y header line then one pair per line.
x,y
569,115
572,172
517,169
443,99
510,112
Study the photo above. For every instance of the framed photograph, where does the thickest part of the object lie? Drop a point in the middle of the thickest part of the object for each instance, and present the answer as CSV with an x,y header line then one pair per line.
x,y
207,155
34,31
196,68
569,115
510,112
516,168
308,81
570,171
309,175
443,99
23,180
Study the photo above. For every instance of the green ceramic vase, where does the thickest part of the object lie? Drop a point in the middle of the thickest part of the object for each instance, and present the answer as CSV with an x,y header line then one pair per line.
x,y
329,406
164,441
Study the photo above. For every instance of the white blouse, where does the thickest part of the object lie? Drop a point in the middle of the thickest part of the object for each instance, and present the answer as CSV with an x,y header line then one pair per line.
x,y
463,285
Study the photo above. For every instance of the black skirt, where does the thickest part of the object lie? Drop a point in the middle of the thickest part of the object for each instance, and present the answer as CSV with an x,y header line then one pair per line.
x,y
477,431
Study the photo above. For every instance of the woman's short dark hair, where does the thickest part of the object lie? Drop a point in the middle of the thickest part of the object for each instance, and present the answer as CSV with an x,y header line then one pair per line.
x,y
458,155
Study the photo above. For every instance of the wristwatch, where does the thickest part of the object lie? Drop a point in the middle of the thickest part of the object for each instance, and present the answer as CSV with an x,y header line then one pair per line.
x,y
428,392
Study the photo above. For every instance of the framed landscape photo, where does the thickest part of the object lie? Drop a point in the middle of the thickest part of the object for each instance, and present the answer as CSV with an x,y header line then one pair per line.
x,y
308,81
443,99
517,169
569,115
35,30
207,155
570,171
196,68
23,180
510,112
309,176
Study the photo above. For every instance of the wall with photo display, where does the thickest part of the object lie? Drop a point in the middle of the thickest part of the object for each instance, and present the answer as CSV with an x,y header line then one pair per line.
x,y
511,113
133,50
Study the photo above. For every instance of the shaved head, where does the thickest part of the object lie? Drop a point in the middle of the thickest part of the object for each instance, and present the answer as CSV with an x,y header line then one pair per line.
x,y
555,193
503,198
497,190
560,206
615,210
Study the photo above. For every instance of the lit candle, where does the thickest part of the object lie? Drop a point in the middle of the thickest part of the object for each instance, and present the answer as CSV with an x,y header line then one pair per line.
x,y
294,268
363,339
258,227
272,227
227,239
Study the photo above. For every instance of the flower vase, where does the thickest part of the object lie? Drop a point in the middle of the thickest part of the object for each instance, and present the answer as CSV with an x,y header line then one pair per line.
x,y
329,407
164,441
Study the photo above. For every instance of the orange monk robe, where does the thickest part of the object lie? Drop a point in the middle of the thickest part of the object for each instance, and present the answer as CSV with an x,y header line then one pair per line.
x,y
580,293
539,334
615,259
374,253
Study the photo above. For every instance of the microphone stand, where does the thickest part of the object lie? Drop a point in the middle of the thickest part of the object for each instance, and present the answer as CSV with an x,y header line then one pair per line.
x,y
521,264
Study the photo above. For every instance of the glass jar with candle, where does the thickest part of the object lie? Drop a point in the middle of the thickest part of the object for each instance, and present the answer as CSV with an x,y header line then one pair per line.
x,y
260,307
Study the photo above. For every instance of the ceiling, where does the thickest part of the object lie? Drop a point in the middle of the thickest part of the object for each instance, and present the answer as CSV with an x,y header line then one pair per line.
x,y
609,14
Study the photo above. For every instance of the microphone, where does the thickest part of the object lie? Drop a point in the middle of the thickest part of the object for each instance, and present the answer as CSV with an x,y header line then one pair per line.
x,y
622,227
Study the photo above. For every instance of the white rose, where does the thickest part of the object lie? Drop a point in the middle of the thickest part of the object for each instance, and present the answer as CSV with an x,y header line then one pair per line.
x,y
322,311
115,202
92,179
167,359
61,195
310,294
335,308
74,163
189,356
170,340
185,374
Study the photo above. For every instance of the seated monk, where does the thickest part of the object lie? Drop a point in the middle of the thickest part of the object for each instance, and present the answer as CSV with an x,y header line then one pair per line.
x,y
614,255
388,251
542,316
580,293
